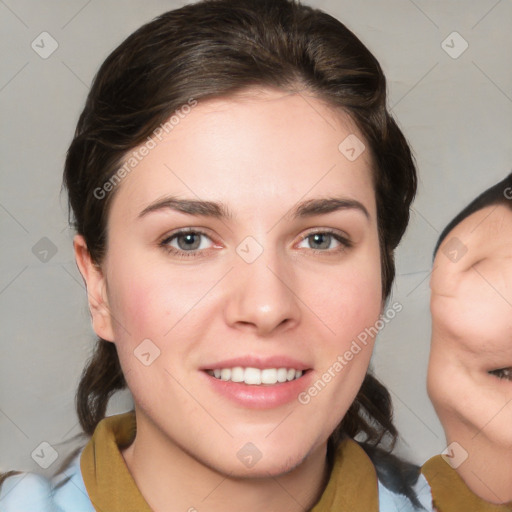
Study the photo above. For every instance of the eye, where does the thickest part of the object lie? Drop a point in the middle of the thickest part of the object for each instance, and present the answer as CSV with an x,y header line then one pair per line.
x,y
186,243
502,373
325,241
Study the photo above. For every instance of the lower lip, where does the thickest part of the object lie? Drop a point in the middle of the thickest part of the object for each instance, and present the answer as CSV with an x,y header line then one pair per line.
x,y
263,396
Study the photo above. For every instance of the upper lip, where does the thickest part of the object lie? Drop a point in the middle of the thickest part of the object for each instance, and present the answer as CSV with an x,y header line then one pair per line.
x,y
258,362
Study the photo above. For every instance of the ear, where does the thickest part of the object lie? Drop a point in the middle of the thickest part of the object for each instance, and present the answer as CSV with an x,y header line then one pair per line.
x,y
96,290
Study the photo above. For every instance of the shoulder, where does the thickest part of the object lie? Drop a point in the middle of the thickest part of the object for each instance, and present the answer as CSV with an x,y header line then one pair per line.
x,y
383,482
401,484
69,493
389,500
32,492
26,491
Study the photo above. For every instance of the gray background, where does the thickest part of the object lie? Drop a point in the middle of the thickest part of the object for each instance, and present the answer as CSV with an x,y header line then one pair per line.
x,y
456,112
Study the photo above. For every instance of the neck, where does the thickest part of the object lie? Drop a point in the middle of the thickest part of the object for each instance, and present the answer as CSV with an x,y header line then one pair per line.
x,y
165,473
488,469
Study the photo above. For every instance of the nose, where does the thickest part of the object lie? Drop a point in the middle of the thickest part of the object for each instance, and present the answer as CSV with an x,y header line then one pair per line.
x,y
261,298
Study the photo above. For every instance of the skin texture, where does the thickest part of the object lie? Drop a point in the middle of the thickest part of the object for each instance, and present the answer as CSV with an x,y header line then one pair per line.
x,y
471,306
259,153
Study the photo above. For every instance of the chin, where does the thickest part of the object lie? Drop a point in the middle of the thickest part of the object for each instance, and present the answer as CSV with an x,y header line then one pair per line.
x,y
271,468
252,463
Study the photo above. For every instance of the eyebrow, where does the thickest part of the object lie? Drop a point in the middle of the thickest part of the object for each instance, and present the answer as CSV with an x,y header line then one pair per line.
x,y
189,206
220,211
327,205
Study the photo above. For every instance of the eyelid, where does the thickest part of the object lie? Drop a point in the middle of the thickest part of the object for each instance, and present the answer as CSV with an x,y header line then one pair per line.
x,y
340,236
188,229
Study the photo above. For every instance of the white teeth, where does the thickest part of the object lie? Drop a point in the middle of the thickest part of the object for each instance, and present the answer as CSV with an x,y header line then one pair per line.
x,y
281,374
269,376
252,376
255,376
237,374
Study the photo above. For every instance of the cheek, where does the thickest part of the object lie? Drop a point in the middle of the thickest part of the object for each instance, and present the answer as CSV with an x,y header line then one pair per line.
x,y
468,405
149,300
150,309
351,307
141,307
470,336
479,324
358,297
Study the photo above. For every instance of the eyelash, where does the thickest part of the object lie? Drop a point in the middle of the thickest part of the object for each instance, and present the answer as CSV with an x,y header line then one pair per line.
x,y
345,243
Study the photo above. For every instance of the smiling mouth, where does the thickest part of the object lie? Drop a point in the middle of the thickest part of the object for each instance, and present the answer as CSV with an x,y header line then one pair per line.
x,y
502,373
256,376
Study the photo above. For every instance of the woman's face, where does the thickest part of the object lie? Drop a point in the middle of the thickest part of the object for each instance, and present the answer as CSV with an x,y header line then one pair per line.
x,y
471,307
244,245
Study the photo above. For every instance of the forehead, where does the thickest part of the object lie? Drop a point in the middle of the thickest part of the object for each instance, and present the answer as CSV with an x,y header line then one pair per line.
x,y
256,147
481,242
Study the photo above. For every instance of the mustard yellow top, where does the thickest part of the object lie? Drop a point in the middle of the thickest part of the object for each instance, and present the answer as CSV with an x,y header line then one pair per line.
x,y
352,487
451,494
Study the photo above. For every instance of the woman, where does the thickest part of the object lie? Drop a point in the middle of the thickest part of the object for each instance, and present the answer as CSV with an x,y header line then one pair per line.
x,y
470,358
238,189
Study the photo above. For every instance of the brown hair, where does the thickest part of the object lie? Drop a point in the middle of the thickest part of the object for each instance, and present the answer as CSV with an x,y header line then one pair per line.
x,y
215,48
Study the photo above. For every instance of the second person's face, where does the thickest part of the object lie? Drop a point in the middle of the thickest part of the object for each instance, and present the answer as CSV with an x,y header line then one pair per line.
x,y
470,370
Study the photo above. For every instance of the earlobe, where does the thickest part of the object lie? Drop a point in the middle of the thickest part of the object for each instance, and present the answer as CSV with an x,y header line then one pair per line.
x,y
95,284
